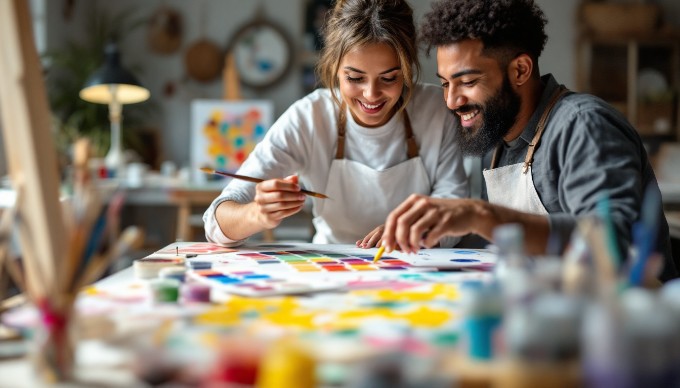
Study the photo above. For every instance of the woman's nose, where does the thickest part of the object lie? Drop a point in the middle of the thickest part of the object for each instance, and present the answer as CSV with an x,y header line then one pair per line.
x,y
372,91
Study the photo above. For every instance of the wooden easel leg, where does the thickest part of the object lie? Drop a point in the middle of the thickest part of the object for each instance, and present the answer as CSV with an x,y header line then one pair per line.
x,y
268,235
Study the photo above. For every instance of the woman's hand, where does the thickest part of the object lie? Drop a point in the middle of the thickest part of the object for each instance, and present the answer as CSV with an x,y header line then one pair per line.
x,y
276,199
373,238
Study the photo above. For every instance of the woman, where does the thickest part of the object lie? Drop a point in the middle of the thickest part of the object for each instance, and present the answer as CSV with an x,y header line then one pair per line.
x,y
368,140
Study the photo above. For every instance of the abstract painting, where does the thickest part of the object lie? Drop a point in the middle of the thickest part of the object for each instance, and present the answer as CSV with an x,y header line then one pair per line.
x,y
225,132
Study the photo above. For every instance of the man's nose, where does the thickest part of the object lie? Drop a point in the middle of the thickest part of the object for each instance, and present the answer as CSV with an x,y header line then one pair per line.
x,y
455,100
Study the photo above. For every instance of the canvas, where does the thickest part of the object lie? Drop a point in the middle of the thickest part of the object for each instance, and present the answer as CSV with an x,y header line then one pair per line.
x,y
223,133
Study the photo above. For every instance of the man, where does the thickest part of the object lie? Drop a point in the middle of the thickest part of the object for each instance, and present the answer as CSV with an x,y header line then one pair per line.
x,y
549,155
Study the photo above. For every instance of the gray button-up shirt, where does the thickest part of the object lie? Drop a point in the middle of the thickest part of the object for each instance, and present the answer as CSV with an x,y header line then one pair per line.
x,y
587,148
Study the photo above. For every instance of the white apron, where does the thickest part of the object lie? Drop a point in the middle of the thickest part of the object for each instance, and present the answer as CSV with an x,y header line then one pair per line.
x,y
512,185
361,197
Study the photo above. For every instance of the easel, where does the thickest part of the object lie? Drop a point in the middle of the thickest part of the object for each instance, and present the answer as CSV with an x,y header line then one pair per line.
x,y
29,146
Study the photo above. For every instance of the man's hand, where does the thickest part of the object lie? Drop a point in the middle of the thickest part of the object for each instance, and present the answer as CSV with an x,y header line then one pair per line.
x,y
421,221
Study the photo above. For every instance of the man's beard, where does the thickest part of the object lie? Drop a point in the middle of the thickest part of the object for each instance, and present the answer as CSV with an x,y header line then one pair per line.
x,y
499,114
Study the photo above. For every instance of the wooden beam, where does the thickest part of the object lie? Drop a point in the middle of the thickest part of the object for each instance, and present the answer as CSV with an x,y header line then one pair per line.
x,y
30,147
230,79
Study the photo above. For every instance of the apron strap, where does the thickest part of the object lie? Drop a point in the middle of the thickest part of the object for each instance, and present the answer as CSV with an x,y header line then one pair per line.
x,y
561,91
342,122
528,159
495,156
411,145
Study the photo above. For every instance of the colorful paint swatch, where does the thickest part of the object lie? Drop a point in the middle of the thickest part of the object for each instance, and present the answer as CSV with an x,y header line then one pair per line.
x,y
318,261
249,283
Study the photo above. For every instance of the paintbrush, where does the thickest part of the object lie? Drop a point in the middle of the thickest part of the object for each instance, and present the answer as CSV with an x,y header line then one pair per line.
x,y
255,180
131,238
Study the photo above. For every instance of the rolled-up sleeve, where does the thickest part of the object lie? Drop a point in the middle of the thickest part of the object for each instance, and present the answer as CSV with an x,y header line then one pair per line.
x,y
213,233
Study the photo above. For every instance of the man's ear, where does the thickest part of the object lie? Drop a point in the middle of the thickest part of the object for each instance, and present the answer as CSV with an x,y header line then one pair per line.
x,y
520,69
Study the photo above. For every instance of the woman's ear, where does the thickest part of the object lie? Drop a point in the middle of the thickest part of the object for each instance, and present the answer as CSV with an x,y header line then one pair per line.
x,y
520,69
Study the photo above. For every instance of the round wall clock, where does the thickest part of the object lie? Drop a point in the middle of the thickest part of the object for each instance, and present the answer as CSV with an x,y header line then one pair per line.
x,y
262,53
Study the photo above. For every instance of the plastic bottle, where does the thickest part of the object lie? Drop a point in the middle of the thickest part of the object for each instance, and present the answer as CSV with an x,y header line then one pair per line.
x,y
483,311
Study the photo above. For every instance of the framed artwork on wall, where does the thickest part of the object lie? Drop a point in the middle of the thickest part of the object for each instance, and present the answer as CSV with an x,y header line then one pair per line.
x,y
263,53
223,133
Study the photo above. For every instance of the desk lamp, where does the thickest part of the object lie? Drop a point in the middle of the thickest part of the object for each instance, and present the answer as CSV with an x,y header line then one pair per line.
x,y
113,85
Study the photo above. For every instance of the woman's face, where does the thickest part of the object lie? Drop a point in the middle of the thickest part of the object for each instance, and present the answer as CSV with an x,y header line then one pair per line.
x,y
371,82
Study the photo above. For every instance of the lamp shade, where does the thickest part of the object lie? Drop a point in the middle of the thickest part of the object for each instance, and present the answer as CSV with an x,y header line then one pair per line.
x,y
98,88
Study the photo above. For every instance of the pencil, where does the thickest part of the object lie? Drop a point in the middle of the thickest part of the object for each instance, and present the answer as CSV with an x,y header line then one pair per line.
x,y
379,254
255,180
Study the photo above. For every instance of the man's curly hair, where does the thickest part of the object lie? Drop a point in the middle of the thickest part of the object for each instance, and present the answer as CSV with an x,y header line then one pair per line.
x,y
508,27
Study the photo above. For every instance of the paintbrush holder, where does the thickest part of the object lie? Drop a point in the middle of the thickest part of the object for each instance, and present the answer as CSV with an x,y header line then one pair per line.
x,y
53,352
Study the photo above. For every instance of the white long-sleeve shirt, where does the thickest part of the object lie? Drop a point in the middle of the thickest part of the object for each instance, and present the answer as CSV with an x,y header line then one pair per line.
x,y
303,141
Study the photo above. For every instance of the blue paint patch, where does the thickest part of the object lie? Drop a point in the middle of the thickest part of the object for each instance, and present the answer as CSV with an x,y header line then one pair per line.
x,y
265,65
226,279
259,130
465,260
256,276
464,252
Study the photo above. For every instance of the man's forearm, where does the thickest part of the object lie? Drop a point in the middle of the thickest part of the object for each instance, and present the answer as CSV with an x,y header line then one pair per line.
x,y
536,227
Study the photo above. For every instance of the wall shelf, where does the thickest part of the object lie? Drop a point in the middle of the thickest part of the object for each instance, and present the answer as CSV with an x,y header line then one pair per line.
x,y
639,75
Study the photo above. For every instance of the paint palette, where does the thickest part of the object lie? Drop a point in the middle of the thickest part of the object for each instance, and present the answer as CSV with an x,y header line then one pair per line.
x,y
453,258
257,284
308,258
316,261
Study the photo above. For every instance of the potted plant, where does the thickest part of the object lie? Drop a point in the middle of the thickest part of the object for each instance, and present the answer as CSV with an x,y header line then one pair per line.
x,y
67,70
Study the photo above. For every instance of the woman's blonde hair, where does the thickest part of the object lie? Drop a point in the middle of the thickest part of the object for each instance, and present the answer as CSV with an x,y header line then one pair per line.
x,y
354,23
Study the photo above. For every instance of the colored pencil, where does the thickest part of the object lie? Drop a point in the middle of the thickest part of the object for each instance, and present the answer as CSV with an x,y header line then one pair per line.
x,y
379,254
255,180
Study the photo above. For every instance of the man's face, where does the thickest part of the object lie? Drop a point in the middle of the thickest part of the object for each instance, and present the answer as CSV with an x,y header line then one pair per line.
x,y
479,94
